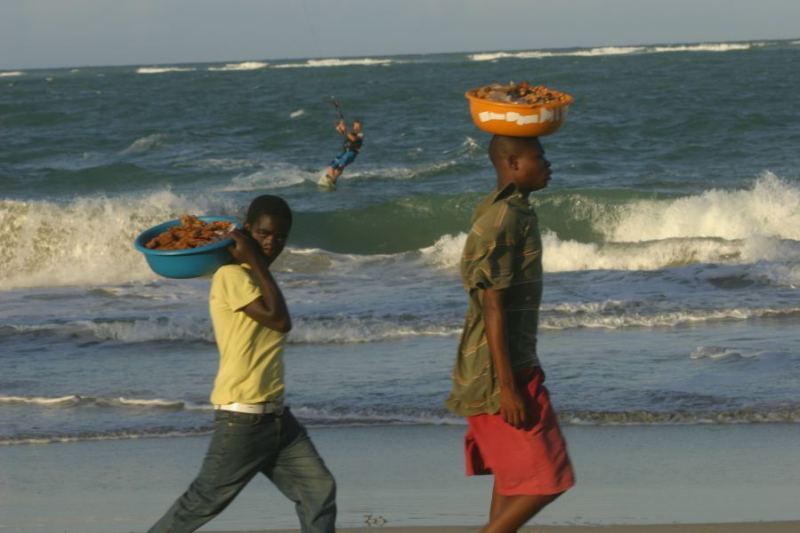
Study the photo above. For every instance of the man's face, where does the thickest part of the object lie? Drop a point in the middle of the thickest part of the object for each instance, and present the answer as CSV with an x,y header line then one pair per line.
x,y
532,170
356,127
270,232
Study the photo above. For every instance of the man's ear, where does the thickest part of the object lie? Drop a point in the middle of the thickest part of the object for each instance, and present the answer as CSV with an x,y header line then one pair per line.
x,y
513,161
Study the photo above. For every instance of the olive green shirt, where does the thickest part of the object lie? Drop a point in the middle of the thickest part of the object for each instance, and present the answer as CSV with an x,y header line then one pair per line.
x,y
503,252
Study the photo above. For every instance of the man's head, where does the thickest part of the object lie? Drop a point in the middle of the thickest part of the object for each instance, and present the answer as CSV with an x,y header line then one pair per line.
x,y
520,160
268,222
357,125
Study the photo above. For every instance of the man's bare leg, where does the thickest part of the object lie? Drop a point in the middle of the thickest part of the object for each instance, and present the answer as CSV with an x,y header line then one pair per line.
x,y
498,503
509,513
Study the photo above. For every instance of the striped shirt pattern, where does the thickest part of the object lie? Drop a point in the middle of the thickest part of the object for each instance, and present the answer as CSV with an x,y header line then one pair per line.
x,y
503,251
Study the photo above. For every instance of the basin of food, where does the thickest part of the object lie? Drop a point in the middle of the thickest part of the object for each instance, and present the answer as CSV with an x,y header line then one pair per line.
x,y
187,247
518,109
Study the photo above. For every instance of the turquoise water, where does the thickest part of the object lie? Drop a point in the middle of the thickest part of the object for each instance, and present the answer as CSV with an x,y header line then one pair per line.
x,y
671,232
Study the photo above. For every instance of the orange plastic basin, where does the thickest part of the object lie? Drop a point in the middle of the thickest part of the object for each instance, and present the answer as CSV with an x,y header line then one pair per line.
x,y
517,120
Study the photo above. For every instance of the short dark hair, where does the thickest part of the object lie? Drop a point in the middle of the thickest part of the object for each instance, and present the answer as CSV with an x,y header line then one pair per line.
x,y
268,204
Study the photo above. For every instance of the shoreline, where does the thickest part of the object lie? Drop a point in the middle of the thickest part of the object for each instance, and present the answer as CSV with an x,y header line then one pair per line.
x,y
732,527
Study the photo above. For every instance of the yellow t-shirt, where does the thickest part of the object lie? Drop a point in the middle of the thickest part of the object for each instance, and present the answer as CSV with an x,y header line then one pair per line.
x,y
250,355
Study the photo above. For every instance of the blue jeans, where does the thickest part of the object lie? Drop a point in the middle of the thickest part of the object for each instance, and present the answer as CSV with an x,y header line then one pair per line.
x,y
344,159
242,446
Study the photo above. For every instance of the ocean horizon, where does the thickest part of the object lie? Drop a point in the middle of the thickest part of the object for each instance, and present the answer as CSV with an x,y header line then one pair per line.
x,y
253,63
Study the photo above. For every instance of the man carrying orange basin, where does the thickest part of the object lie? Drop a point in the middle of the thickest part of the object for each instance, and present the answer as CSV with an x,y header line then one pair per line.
x,y
497,381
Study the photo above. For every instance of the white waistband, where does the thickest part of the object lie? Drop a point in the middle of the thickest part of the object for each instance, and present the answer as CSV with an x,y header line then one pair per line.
x,y
252,408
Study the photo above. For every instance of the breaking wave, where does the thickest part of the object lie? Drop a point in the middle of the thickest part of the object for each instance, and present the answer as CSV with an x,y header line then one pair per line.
x,y
337,417
145,144
163,70
326,63
614,51
757,226
245,65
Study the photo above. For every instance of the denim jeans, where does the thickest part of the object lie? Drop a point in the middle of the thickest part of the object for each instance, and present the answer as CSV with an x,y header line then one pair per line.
x,y
242,446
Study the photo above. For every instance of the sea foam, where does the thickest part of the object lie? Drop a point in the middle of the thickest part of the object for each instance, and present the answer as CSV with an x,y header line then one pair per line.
x,y
327,63
146,143
85,241
316,416
88,241
246,65
613,51
162,70
744,226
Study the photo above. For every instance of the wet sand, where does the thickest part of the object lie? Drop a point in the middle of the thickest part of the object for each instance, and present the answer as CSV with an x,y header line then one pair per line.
x,y
742,527
412,477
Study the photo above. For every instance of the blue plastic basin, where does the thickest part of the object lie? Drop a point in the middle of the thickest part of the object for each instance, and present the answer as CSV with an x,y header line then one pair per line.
x,y
190,263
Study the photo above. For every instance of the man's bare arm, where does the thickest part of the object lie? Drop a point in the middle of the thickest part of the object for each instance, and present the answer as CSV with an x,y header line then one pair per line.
x,y
512,408
270,310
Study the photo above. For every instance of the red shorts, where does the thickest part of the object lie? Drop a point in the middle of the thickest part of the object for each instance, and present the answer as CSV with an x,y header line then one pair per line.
x,y
529,460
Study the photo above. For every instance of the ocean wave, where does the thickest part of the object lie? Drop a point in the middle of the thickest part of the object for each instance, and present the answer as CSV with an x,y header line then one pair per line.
x,y
639,417
75,400
229,163
245,65
186,328
88,436
592,52
718,47
11,74
757,226
607,51
787,415
613,51
435,168
330,330
630,319
770,208
282,175
494,56
297,114
717,353
326,63
93,236
146,143
348,329
353,417
275,177
746,226
571,256
163,70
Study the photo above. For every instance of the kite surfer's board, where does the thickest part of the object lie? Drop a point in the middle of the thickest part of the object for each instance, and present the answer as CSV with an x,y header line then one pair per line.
x,y
326,182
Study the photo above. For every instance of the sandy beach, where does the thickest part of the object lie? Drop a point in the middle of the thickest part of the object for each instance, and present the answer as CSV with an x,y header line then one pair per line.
x,y
747,527
410,478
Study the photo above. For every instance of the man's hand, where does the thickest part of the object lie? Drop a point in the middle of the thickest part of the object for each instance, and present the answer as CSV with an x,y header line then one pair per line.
x,y
340,127
512,408
244,249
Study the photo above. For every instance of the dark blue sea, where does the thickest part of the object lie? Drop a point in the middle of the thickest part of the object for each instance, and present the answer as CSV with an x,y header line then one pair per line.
x,y
671,235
